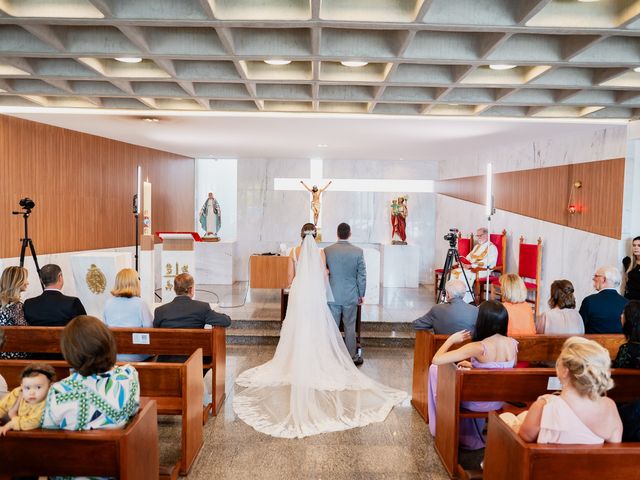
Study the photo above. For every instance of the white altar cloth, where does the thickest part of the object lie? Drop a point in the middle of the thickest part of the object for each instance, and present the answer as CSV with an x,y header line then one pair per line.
x,y
94,275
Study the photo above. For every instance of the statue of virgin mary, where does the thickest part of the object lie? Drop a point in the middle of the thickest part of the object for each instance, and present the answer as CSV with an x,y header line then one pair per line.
x,y
211,216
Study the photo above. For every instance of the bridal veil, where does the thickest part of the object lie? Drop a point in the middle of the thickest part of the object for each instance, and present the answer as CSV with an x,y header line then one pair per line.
x,y
311,385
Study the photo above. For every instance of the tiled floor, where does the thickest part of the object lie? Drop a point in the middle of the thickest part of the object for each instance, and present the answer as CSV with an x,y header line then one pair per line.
x,y
241,303
399,448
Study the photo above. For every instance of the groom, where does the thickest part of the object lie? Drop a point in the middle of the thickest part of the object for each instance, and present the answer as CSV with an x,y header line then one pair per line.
x,y
348,279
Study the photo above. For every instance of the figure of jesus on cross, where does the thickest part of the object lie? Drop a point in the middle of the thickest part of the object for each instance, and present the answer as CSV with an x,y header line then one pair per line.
x,y
315,199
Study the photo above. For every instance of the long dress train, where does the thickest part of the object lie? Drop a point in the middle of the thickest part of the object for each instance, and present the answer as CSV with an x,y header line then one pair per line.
x,y
311,385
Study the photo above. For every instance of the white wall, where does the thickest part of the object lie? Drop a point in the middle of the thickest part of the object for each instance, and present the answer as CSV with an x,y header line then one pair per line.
x,y
267,217
219,176
567,252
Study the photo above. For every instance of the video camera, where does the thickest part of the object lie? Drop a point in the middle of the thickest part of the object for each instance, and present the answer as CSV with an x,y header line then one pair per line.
x,y
452,237
27,205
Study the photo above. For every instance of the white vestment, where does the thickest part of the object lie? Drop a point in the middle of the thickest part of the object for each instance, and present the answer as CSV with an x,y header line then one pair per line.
x,y
484,257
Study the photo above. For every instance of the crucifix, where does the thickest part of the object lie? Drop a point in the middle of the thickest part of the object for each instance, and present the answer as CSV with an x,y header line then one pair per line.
x,y
349,185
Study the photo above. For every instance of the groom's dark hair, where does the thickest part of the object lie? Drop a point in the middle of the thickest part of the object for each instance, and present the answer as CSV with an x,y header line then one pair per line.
x,y
344,231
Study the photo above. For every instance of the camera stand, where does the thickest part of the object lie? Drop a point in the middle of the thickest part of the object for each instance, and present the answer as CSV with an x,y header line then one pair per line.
x,y
27,242
453,257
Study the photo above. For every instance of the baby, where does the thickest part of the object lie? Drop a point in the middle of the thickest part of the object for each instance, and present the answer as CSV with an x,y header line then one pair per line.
x,y
22,409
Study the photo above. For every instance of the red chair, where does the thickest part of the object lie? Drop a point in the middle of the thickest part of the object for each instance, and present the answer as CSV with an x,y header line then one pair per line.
x,y
464,247
529,269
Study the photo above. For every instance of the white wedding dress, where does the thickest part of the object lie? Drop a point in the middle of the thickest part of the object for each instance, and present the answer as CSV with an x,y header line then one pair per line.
x,y
311,385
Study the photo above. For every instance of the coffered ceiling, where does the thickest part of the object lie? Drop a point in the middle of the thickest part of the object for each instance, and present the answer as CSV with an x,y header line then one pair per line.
x,y
569,58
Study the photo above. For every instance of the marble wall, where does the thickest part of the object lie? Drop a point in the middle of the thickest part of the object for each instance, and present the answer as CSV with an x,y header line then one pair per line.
x,y
567,252
267,218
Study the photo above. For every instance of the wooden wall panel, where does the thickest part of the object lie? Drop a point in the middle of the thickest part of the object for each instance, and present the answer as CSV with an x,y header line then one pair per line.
x,y
83,187
544,194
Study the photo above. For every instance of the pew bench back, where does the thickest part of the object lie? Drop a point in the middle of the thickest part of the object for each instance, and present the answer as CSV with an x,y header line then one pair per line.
x,y
508,457
110,453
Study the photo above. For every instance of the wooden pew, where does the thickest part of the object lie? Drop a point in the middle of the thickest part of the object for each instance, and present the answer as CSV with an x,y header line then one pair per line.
x,y
533,348
177,389
508,457
483,385
160,341
131,453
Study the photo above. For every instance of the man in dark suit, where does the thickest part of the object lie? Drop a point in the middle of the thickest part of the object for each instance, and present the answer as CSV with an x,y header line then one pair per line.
x,y
450,317
185,312
601,311
348,279
52,308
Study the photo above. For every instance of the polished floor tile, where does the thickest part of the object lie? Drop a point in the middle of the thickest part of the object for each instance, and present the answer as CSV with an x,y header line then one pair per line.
x,y
398,448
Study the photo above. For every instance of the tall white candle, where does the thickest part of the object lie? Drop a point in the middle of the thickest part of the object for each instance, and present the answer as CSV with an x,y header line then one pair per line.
x,y
146,205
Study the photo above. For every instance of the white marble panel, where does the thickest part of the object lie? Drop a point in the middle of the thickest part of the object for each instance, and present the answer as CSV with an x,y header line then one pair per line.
x,y
102,267
601,144
267,218
400,266
214,263
372,262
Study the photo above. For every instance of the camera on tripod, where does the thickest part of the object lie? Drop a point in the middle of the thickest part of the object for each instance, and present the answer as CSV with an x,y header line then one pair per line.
x,y
26,204
452,237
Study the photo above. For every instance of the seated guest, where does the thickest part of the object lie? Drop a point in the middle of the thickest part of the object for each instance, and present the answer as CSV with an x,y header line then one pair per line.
x,y
52,308
562,319
629,353
185,312
582,413
450,317
514,299
23,407
126,308
632,272
12,283
601,311
3,383
478,262
110,394
490,348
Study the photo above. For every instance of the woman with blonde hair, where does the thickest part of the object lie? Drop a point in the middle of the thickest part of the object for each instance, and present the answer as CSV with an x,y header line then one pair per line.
x,y
12,283
582,413
126,308
631,278
514,299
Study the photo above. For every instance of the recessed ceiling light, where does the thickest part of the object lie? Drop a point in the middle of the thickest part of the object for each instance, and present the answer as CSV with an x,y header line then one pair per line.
x,y
129,59
637,69
501,67
151,119
277,62
588,1
322,145
354,63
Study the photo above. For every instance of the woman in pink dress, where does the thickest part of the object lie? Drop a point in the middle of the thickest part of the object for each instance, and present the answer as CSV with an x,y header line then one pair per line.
x,y
581,413
491,348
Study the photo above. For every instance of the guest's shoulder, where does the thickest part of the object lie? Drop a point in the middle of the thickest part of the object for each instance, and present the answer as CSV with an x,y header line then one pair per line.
x,y
201,304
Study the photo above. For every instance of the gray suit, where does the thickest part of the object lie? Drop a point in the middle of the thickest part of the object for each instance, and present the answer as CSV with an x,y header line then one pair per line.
x,y
448,318
348,280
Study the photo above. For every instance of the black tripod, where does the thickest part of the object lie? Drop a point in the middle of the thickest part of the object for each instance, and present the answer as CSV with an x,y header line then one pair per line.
x,y
453,257
27,242
136,213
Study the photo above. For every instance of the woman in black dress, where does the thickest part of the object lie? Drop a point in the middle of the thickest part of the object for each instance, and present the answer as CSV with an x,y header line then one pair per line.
x,y
632,275
12,283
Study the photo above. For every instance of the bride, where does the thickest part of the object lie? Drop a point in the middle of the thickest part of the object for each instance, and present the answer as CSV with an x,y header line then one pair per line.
x,y
311,385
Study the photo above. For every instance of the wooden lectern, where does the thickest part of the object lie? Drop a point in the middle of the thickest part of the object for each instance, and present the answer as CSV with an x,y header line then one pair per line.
x,y
270,271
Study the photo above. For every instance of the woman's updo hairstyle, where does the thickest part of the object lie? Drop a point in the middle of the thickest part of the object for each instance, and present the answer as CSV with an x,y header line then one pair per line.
x,y
308,228
589,366
562,295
